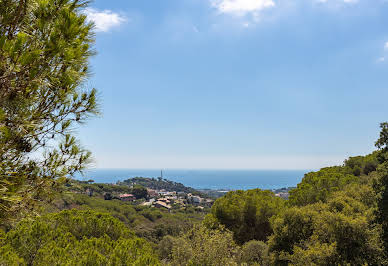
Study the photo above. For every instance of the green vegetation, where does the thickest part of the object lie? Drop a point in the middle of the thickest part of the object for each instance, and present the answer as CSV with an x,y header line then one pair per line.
x,y
200,246
317,186
246,213
335,216
74,238
160,184
147,222
44,51
338,232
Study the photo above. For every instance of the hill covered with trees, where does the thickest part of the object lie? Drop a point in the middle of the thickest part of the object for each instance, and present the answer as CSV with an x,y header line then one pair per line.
x,y
159,184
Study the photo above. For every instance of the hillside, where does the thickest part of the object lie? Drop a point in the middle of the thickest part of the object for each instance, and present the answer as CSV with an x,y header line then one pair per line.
x,y
159,184
148,222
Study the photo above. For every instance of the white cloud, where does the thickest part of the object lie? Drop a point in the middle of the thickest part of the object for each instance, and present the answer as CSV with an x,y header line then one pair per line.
x,y
386,46
344,1
104,20
381,59
242,7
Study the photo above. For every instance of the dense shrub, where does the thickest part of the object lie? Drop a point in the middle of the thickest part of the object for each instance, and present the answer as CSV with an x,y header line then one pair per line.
x,y
317,186
202,246
75,238
246,213
255,252
339,232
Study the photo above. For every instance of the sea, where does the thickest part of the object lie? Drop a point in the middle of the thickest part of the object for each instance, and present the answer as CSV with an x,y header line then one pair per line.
x,y
205,179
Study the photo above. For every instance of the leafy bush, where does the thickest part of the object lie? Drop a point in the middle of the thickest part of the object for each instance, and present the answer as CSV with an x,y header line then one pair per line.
x,y
339,232
202,246
317,186
246,213
74,238
255,252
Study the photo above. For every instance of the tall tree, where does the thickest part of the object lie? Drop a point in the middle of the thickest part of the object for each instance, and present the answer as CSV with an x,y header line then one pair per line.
x,y
44,50
246,213
381,185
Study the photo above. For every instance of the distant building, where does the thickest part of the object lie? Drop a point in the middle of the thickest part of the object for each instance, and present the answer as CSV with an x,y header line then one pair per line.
x,y
209,202
161,204
152,193
167,193
196,199
283,195
127,197
165,200
181,194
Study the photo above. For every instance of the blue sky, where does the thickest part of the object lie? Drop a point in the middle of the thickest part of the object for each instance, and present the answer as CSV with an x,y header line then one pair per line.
x,y
237,84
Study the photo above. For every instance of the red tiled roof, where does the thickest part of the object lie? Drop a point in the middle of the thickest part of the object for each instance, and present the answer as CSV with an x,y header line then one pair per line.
x,y
126,195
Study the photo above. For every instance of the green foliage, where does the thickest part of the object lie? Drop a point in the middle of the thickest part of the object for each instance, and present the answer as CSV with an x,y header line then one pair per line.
x,y
246,213
165,248
75,238
150,223
317,186
255,252
152,215
362,165
99,188
45,46
382,142
201,246
381,183
159,184
381,188
139,192
338,232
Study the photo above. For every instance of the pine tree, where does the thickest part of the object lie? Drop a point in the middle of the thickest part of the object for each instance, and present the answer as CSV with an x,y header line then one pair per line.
x,y
44,50
381,186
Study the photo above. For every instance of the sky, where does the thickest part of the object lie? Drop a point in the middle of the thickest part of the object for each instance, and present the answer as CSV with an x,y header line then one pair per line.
x,y
237,84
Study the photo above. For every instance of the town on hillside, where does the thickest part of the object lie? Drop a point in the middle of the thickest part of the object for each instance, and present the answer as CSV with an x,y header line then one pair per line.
x,y
167,199
156,193
161,193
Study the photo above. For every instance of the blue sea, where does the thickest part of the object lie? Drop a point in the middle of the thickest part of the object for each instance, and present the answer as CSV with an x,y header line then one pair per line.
x,y
206,179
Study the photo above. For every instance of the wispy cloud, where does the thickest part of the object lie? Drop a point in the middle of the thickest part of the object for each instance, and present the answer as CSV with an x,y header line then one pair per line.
x,y
242,7
384,57
344,1
104,20
251,12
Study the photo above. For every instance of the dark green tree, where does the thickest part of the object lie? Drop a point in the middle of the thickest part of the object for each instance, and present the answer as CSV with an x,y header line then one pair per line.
x,y
201,246
255,253
139,192
381,186
339,232
45,46
317,186
246,213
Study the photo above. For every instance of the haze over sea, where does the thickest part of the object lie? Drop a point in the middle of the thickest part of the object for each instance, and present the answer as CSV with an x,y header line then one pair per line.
x,y
202,179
